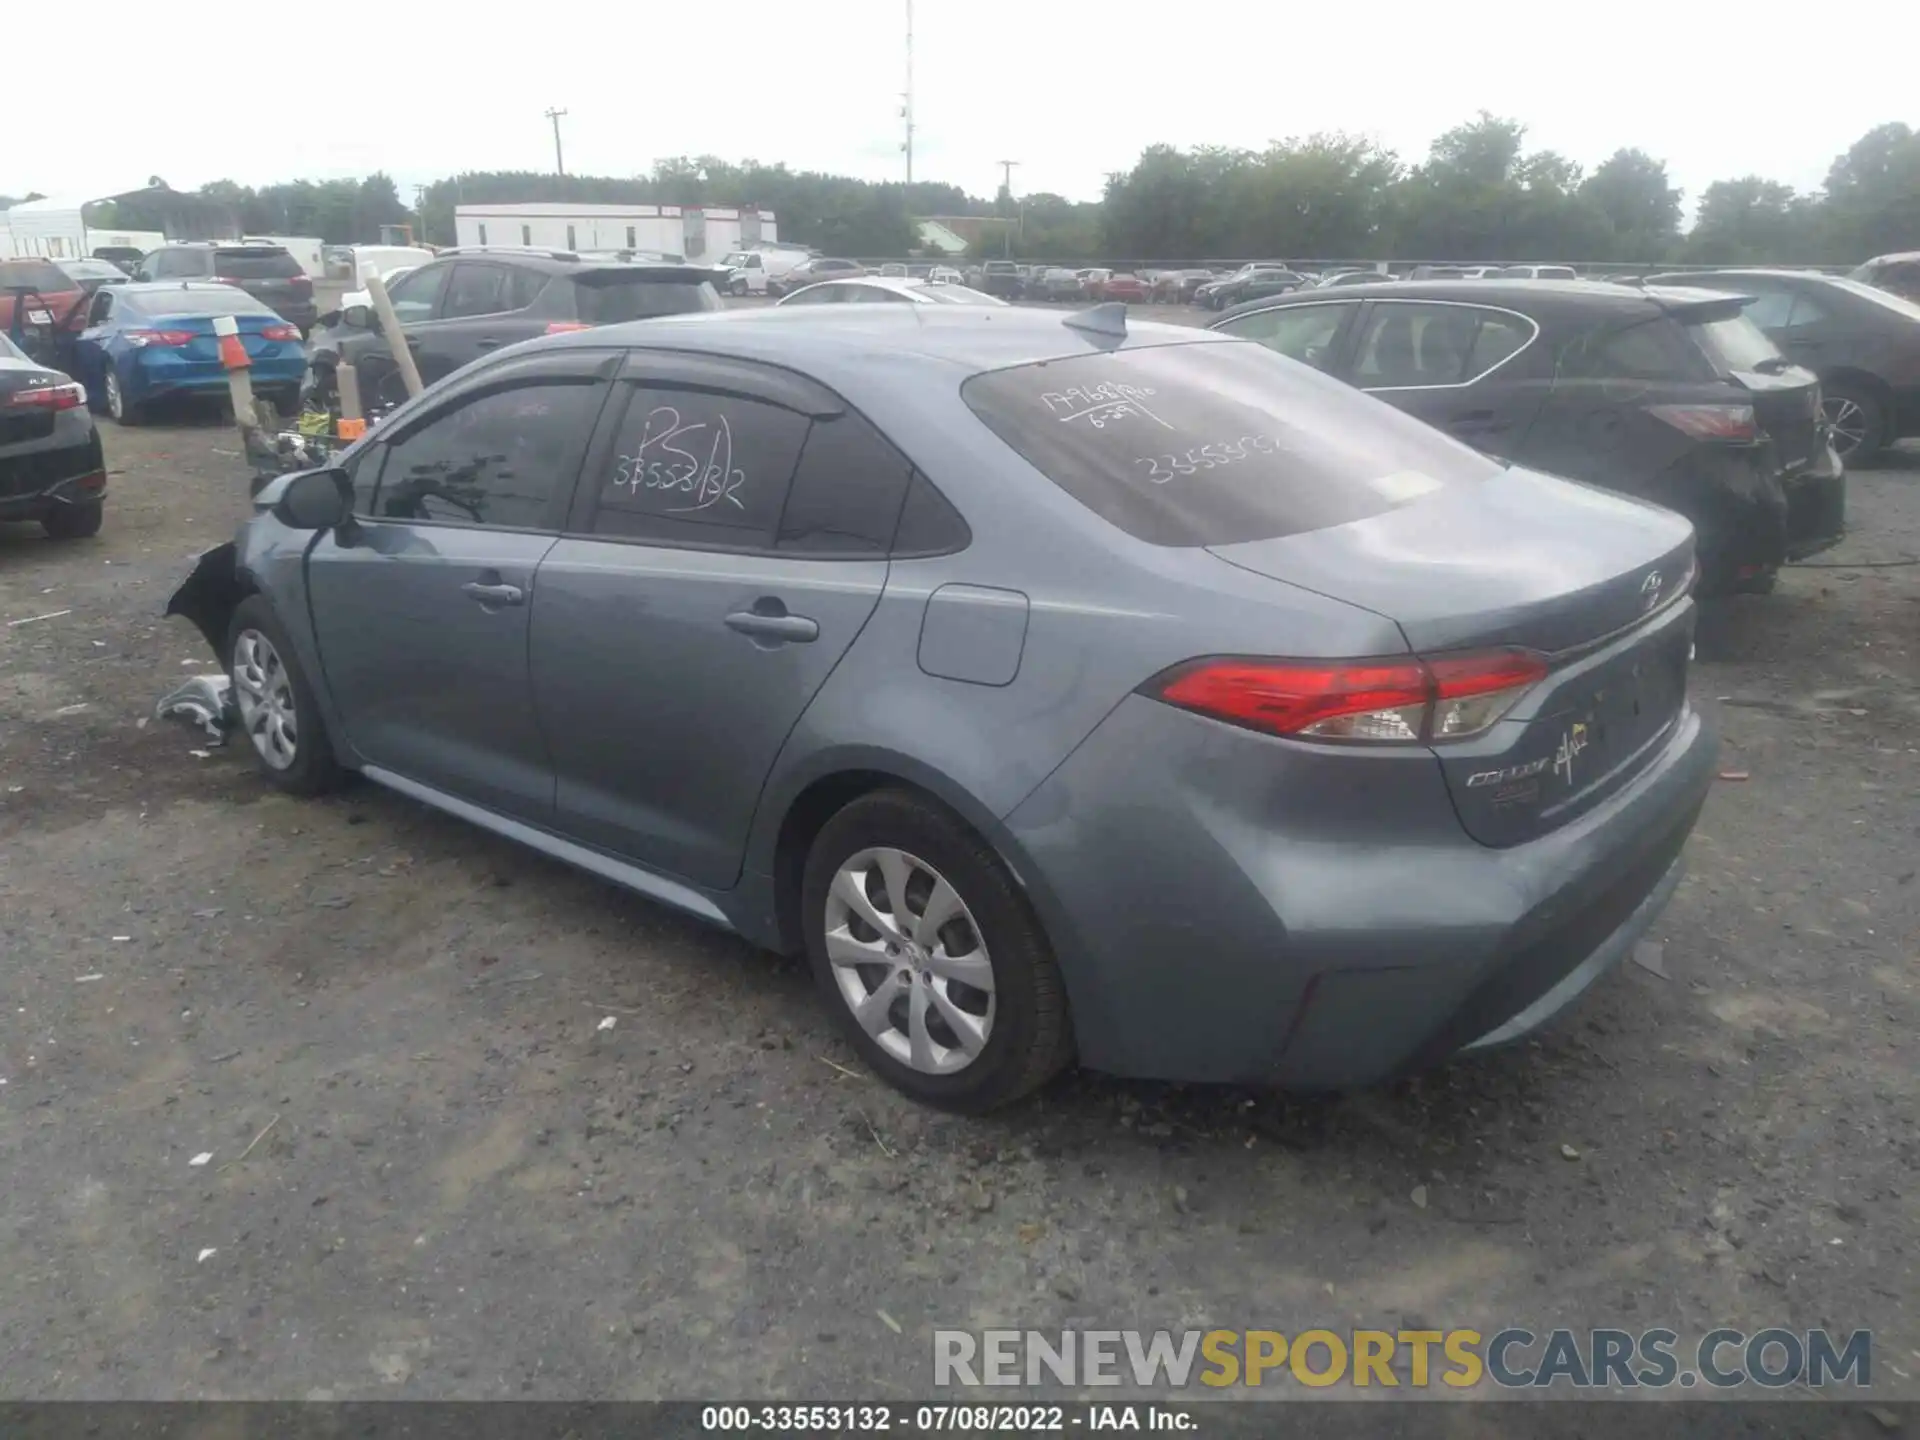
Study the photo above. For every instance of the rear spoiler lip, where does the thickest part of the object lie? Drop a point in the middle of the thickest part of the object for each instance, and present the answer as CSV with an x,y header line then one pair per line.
x,y
1701,305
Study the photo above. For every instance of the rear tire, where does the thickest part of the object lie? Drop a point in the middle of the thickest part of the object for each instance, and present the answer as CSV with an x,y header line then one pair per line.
x,y
973,1047
1858,419
737,289
279,715
123,410
76,521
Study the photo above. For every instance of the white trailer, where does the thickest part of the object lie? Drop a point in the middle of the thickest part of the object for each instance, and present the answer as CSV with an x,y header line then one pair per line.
x,y
57,230
306,249
700,233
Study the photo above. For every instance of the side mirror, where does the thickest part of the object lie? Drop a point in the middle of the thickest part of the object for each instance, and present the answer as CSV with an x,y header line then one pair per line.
x,y
360,317
318,500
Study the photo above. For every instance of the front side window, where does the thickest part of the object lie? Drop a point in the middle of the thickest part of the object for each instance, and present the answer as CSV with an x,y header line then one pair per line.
x,y
1214,443
497,459
698,468
475,290
415,296
1301,332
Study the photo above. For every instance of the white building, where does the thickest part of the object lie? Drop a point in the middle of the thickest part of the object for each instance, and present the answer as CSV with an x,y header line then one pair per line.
x,y
701,233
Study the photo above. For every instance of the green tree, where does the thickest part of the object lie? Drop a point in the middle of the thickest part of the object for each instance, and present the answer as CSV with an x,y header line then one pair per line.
x,y
1873,194
1756,221
1641,207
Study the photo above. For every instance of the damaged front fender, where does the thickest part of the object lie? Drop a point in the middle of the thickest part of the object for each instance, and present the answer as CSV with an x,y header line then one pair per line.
x,y
210,595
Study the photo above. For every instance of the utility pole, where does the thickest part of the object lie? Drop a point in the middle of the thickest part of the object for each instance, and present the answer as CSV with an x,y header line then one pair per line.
x,y
1006,184
559,165
906,97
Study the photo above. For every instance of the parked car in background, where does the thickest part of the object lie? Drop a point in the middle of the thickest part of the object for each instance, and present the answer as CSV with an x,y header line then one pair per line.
x,y
919,272
473,300
266,272
90,275
147,341
1130,288
980,706
893,272
1863,343
124,258
1054,283
1252,282
882,290
51,466
812,270
1176,287
1670,395
1091,278
1537,272
758,272
1002,278
1338,278
47,287
1899,274
945,275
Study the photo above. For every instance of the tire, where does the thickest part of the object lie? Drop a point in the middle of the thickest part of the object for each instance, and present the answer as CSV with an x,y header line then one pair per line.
x,y
737,289
1016,1035
1858,418
76,521
278,712
123,410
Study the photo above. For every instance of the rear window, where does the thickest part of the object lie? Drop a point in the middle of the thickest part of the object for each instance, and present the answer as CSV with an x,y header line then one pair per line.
x,y
258,263
1656,349
210,300
1000,267
41,275
610,299
1734,344
1215,443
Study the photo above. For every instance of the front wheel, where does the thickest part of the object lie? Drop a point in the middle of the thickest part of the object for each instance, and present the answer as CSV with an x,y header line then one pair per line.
x,y
1858,422
737,288
278,712
123,410
930,956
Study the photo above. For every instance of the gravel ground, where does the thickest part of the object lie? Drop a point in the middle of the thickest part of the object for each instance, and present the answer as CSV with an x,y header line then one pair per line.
x,y
436,1171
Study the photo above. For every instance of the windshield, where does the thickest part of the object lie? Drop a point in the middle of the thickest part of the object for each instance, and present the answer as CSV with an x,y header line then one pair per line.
x,y
951,294
1211,444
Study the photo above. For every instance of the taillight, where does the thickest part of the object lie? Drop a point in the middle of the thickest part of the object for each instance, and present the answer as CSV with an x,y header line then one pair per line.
x,y
562,327
280,332
1709,422
141,339
1407,701
68,396
302,285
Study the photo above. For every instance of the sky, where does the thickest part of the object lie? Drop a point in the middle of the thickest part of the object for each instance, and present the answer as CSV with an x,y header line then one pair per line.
x,y
1068,90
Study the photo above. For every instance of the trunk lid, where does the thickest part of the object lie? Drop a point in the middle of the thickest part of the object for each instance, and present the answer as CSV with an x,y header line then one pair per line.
x,y
1598,583
205,345
19,423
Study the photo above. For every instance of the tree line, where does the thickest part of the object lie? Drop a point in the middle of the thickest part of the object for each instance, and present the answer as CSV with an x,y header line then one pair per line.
x,y
1479,195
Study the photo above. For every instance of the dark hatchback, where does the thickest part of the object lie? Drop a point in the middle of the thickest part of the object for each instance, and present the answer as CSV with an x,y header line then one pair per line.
x,y
1862,341
471,302
1671,395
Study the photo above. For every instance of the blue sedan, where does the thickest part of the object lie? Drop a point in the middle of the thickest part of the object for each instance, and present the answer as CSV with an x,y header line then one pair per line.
x,y
144,342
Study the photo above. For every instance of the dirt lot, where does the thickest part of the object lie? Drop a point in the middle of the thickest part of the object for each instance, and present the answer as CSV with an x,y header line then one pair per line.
x,y
434,1173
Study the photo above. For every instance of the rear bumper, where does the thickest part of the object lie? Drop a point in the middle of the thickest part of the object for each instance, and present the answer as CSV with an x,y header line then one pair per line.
x,y
1816,508
33,481
1247,909
157,375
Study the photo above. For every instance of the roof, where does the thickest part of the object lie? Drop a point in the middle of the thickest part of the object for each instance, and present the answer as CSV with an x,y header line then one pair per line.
x,y
831,341
1493,291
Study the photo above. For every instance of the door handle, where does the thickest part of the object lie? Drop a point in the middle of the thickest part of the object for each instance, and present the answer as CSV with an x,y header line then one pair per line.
x,y
768,625
490,595
486,344
1472,420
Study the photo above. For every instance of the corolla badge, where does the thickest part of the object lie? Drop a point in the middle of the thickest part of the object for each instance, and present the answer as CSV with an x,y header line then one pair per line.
x,y
1650,590
1571,744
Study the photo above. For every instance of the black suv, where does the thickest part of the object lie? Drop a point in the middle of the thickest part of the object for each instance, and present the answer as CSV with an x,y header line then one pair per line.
x,y
469,302
269,273
1671,395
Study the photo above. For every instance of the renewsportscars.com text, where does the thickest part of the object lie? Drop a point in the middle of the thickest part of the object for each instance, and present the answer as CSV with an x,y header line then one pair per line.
x,y
1512,1358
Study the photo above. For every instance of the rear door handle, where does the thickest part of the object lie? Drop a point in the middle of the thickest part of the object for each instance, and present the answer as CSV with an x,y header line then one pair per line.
x,y
796,628
490,595
486,344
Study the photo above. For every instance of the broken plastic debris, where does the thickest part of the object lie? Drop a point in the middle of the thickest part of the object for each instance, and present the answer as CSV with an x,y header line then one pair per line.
x,y
123,937
205,1255
204,699
202,1158
201,754
891,1323
606,1024
84,979
1650,955
1567,1152
34,619
1734,775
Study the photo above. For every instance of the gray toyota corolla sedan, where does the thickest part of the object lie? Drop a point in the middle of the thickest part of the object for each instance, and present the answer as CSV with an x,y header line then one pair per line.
x,y
1062,687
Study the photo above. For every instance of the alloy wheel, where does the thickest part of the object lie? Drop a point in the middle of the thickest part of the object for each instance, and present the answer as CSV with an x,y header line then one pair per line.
x,y
116,401
1849,423
264,693
909,961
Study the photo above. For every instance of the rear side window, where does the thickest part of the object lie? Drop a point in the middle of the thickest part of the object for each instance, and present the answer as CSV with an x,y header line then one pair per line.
x,y
607,300
1215,443
257,263
846,495
693,467
1734,344
42,275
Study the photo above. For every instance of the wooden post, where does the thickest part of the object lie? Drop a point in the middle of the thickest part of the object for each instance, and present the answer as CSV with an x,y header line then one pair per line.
x,y
234,359
347,380
396,337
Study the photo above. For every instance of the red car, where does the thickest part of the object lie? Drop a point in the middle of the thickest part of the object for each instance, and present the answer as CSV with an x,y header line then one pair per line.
x,y
59,291
1125,287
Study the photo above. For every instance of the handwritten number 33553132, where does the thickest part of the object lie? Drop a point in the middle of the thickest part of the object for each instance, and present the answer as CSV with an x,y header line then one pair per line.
x,y
661,465
1163,468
